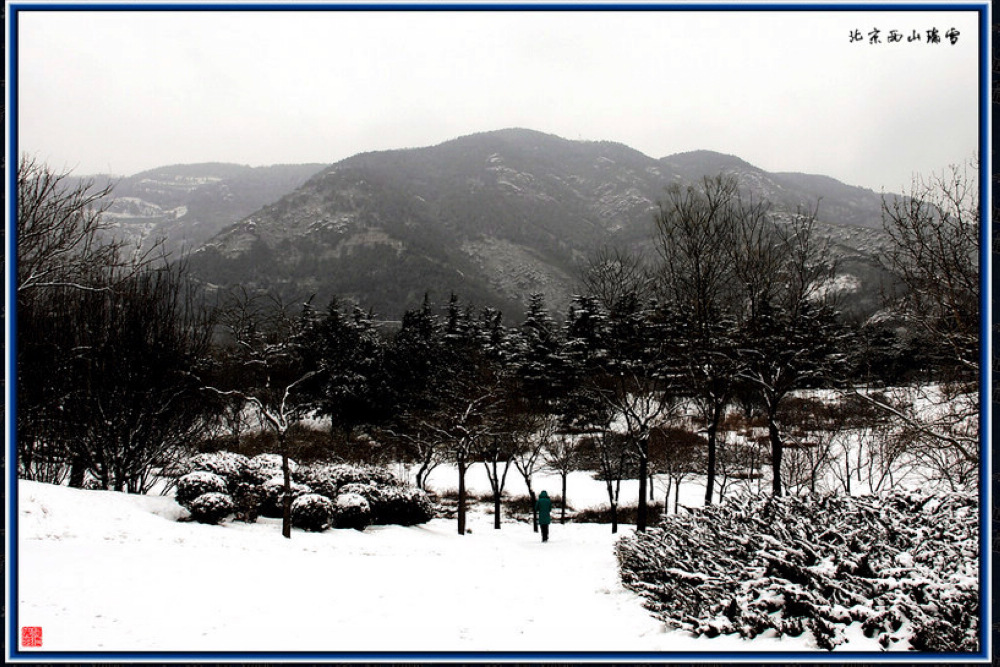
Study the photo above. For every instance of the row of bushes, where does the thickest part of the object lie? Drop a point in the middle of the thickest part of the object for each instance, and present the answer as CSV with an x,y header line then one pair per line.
x,y
904,567
219,484
626,514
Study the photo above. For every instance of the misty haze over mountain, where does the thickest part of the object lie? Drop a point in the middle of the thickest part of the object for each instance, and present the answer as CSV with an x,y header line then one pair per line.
x,y
492,217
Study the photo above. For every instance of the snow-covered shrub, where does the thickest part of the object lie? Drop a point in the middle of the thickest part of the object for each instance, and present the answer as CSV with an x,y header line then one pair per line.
x,y
402,506
389,502
273,495
321,477
312,511
626,514
211,507
196,483
370,492
351,510
394,504
228,465
905,567
247,499
327,478
263,467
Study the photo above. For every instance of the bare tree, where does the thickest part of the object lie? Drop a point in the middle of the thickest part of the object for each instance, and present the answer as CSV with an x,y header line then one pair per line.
x,y
497,454
415,356
809,425
462,425
740,460
613,275
64,255
613,455
643,402
935,252
562,455
635,378
234,419
790,336
268,369
935,426
420,442
121,399
678,453
696,236
871,459
63,238
533,439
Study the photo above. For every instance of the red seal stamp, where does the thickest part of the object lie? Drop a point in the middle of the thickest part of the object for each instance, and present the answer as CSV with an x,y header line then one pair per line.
x,y
31,637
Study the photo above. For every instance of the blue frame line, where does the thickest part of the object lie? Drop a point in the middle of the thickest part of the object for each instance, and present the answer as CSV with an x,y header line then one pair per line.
x,y
10,377
983,9
514,7
986,330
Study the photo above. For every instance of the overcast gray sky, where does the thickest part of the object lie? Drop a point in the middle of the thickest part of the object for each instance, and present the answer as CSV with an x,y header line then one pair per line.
x,y
120,92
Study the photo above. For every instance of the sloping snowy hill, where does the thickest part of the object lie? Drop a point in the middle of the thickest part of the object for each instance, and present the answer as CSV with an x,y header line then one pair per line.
x,y
102,571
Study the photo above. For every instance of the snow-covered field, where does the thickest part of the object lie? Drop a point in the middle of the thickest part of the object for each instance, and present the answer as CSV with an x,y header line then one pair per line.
x,y
103,571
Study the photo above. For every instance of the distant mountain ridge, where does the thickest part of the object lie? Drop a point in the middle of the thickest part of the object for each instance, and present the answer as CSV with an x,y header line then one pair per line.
x,y
185,205
492,216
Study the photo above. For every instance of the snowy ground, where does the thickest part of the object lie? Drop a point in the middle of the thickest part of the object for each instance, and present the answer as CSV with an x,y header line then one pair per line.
x,y
101,571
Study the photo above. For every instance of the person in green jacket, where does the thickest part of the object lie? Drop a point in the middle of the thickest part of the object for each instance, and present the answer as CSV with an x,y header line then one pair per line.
x,y
544,508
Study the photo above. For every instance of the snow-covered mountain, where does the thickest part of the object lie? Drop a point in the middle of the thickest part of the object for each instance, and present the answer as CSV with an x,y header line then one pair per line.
x,y
491,216
185,205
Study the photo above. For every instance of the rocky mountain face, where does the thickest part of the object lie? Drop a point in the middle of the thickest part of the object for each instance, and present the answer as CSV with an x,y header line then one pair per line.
x,y
492,217
186,205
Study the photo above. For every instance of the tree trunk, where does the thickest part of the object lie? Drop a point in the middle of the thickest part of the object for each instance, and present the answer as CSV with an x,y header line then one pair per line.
x,y
534,510
461,494
710,479
562,518
847,473
77,472
425,470
614,518
643,477
496,510
777,449
286,511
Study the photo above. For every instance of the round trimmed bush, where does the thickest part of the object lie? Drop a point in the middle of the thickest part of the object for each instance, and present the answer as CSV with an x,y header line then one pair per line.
x,y
311,511
230,466
273,495
197,483
394,504
351,510
405,506
211,507
263,467
370,492
321,477
248,498
374,475
225,464
327,478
